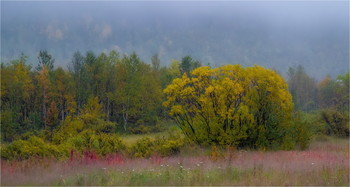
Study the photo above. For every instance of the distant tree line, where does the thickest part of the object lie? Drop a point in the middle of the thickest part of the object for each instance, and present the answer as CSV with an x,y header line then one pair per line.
x,y
310,94
128,89
328,98
130,93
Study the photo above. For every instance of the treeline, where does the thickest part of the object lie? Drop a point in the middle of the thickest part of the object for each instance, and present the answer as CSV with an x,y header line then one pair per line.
x,y
310,94
128,90
323,104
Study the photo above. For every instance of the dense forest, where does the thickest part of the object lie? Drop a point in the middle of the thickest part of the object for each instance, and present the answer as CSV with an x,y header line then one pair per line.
x,y
118,94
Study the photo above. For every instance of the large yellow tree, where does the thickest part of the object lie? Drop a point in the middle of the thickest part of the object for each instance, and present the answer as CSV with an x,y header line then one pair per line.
x,y
231,105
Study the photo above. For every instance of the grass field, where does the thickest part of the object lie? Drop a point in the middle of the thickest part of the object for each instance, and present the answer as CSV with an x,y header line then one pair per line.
x,y
131,139
326,162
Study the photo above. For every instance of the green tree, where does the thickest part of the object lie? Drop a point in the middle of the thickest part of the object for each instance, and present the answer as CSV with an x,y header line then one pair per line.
x,y
167,74
17,89
326,92
103,79
137,92
45,59
63,91
343,90
334,100
155,62
188,64
44,85
78,71
303,89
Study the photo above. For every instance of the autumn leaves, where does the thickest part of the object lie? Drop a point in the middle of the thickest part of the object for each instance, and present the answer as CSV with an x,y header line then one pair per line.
x,y
231,105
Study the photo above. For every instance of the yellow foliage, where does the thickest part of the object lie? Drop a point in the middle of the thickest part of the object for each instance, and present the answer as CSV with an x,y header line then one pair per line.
x,y
225,105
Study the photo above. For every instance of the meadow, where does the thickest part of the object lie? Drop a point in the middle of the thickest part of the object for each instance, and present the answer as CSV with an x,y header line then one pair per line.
x,y
152,108
326,162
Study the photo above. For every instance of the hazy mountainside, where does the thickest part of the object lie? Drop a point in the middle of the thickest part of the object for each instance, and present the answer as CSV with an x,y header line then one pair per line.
x,y
271,34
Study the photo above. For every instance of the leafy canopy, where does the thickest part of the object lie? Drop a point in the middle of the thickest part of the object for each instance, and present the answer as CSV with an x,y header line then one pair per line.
x,y
231,105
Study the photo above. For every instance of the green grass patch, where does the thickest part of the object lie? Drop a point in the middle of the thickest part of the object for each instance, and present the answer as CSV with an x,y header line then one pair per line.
x,y
131,139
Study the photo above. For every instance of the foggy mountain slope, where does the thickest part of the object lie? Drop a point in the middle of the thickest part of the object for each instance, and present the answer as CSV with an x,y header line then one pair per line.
x,y
272,34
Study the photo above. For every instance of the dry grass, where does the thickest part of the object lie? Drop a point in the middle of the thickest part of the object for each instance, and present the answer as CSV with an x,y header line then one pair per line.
x,y
325,163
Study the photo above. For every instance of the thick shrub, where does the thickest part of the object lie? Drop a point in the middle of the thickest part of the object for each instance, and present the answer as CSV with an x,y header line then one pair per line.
x,y
303,134
170,145
90,118
101,143
337,123
34,146
141,129
299,133
110,144
144,129
165,146
231,105
70,128
143,148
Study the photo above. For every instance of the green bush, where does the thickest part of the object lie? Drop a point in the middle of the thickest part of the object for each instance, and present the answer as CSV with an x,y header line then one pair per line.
x,y
144,129
70,128
337,123
170,145
141,129
107,143
303,134
143,148
90,119
105,127
299,134
102,143
78,143
165,146
34,146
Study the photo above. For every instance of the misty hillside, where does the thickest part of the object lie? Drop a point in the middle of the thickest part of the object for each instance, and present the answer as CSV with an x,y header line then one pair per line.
x,y
272,34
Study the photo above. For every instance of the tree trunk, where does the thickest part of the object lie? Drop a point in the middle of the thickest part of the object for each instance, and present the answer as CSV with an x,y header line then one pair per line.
x,y
126,114
44,108
107,109
62,113
125,117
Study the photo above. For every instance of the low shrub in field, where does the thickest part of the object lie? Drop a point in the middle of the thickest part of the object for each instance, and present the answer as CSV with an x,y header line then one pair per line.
x,y
299,134
34,146
102,144
165,146
170,145
141,129
144,129
74,127
89,120
337,123
142,148
88,140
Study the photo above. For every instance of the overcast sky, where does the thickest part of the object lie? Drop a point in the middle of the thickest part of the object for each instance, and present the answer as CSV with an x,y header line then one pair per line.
x,y
64,27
